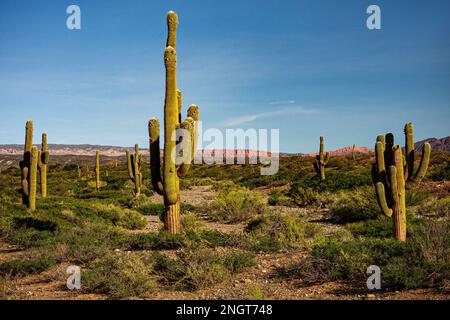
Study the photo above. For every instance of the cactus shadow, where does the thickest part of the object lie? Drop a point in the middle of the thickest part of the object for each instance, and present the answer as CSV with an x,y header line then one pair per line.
x,y
40,225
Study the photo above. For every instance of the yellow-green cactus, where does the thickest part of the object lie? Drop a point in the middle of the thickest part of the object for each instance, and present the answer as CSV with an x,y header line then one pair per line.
x,y
97,170
321,161
43,158
391,173
134,163
168,184
28,168
410,173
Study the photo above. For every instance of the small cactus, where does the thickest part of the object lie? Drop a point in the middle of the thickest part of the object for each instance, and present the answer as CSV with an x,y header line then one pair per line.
x,y
134,163
353,153
168,184
321,161
28,167
391,173
97,170
79,171
43,158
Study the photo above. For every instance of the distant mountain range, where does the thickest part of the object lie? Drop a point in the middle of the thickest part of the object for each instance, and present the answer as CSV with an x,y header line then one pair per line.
x,y
442,144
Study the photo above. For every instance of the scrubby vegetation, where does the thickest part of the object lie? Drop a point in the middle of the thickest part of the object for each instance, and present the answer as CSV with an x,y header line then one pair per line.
x,y
327,231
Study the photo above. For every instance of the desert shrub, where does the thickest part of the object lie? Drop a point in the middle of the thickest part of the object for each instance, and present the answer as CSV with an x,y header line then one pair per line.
x,y
284,229
423,261
118,216
235,205
302,196
436,207
356,205
119,276
279,199
156,241
22,267
416,196
200,268
151,209
191,223
335,181
442,174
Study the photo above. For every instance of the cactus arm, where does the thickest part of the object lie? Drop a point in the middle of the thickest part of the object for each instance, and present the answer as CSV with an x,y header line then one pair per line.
x,y
424,162
28,136
185,154
155,158
381,199
172,25
130,165
33,179
409,151
327,158
170,124
194,113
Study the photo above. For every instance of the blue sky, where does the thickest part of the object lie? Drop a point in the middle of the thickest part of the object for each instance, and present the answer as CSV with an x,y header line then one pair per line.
x,y
309,68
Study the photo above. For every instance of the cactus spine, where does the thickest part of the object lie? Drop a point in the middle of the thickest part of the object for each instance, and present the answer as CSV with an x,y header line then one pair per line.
x,y
391,173
97,170
28,167
321,161
43,157
134,169
168,184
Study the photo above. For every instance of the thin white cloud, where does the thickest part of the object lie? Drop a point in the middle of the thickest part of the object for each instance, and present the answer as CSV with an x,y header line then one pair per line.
x,y
282,102
282,112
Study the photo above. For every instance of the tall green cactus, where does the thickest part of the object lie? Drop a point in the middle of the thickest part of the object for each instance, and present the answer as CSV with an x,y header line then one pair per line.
x,y
135,169
97,170
28,167
321,161
391,173
168,184
43,158
410,175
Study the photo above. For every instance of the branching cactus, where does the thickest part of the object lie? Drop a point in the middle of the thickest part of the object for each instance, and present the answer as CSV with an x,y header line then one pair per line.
x,y
390,175
43,158
412,175
28,167
135,169
321,161
97,170
178,153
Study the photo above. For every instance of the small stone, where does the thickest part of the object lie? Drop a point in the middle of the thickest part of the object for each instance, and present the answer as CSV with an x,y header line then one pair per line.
x,y
370,296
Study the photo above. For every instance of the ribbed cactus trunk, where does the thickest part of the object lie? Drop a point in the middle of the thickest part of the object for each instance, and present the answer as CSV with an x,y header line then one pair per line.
x,y
321,161
43,158
28,167
390,175
168,184
134,163
97,170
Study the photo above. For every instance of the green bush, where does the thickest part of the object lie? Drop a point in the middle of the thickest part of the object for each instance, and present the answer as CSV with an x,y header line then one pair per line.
x,y
442,174
201,268
303,196
279,199
423,261
191,223
285,229
236,205
356,205
119,276
22,267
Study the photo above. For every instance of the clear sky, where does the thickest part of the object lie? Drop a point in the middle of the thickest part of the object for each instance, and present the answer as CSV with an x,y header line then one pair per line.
x,y
307,67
